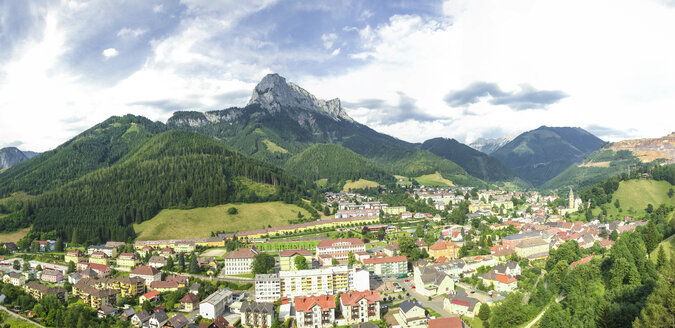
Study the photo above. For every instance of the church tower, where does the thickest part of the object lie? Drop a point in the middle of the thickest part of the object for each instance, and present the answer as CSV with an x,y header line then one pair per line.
x,y
571,200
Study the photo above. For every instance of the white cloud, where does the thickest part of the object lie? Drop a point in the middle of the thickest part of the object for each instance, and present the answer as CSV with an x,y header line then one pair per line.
x,y
110,52
335,52
129,32
328,40
158,8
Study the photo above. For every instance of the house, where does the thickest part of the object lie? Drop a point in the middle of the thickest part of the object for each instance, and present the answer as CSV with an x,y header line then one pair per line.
x,y
127,260
421,244
129,287
444,248
267,287
11,247
106,311
508,268
178,321
239,261
513,240
462,304
43,245
339,248
387,266
391,250
95,293
151,296
533,248
220,322
140,319
14,278
38,290
146,272
180,279
257,314
359,307
502,282
164,286
454,322
99,269
73,255
107,250
287,258
411,315
51,275
315,311
99,258
158,319
429,281
157,261
167,252
127,313
215,304
194,288
189,302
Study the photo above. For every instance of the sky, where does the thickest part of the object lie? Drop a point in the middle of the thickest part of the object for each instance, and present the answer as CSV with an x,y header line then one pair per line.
x,y
412,69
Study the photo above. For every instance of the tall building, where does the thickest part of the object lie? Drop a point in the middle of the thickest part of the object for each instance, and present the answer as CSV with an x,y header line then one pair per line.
x,y
360,306
267,287
326,281
315,311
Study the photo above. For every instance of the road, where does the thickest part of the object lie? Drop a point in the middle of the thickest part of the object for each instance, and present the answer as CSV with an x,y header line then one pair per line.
x,y
20,317
435,304
527,295
536,319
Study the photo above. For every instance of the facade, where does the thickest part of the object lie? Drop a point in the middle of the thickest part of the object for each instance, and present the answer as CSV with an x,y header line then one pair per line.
x,y
73,255
315,311
339,248
51,275
151,296
99,258
164,286
513,240
146,272
287,258
107,250
127,260
157,261
533,249
239,261
267,287
412,314
38,290
189,302
215,304
129,286
447,249
462,304
359,307
502,282
14,278
387,266
95,293
257,314
431,282
324,281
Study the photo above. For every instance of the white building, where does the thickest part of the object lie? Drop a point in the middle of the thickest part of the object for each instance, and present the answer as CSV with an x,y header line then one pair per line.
x,y
215,304
240,261
267,288
146,272
326,281
362,280
340,248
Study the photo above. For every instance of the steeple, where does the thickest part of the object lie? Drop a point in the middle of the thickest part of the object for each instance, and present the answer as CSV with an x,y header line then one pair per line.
x,y
571,200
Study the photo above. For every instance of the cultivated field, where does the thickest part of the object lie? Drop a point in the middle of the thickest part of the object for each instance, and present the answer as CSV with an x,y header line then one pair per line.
x,y
200,222
13,237
434,180
360,183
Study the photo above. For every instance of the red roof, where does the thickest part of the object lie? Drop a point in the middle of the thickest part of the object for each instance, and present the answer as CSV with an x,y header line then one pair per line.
x,y
352,298
441,259
291,252
304,304
582,261
453,322
190,298
440,245
385,260
164,284
144,270
506,279
330,242
151,294
462,303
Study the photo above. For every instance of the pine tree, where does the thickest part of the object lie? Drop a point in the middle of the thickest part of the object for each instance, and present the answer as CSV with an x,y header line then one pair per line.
x,y
661,260
194,265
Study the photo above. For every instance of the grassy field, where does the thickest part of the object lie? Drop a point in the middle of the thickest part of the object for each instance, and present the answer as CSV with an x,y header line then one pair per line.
x,y
200,222
7,320
360,183
274,148
434,180
635,195
321,182
13,237
668,247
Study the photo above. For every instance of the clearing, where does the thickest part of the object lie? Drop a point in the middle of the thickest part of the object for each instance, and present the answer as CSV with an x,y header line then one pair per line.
x,y
274,148
434,180
635,195
200,222
668,247
13,237
360,183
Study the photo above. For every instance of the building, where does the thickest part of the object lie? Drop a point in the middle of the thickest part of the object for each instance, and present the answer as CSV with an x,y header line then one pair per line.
x,y
215,304
533,249
38,290
99,258
189,302
444,248
513,240
73,255
429,281
100,269
146,272
257,314
240,261
393,210
359,307
508,268
453,322
108,250
411,315
140,319
164,286
182,280
127,260
158,319
151,296
387,266
14,278
339,248
315,311
157,261
267,287
462,304
51,275
502,282
178,321
95,293
106,311
287,258
323,281
129,286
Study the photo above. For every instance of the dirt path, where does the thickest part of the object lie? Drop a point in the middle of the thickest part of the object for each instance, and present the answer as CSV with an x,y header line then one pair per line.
x,y
20,317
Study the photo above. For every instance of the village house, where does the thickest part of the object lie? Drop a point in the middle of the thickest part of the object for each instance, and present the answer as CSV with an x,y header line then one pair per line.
x,y
99,258
431,282
315,311
508,268
51,276
462,304
158,319
182,280
411,315
107,250
157,261
164,286
38,290
240,261
359,307
447,249
257,314
502,282
73,255
189,302
533,249
106,311
339,248
452,322
387,266
151,296
14,278
215,304
127,260
146,272
140,319
129,286
95,293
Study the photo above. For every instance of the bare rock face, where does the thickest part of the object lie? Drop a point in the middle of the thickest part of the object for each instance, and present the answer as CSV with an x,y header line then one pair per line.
x,y
273,92
10,156
648,150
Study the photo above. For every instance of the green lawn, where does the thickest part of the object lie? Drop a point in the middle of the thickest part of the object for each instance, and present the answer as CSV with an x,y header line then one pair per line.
x,y
473,322
635,195
434,180
668,247
360,183
200,222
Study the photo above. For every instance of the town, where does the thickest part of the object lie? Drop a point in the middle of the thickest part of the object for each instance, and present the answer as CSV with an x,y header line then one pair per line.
x,y
367,264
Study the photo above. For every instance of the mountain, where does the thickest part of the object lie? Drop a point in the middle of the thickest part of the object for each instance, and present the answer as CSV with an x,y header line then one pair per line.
x,y
650,149
596,167
336,164
490,145
10,156
476,163
541,154
282,119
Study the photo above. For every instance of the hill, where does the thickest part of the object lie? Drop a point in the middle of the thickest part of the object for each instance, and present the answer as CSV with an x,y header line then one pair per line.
x,y
638,193
336,164
596,167
541,154
649,149
475,163
173,169
489,145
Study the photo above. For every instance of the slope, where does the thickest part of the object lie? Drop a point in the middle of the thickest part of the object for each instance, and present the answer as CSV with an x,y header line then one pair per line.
x,y
10,156
541,154
335,163
596,167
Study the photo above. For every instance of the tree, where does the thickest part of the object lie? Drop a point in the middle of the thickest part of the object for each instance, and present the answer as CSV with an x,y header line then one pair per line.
x,y
670,193
71,267
381,234
181,260
484,312
147,306
650,208
16,265
26,266
194,265
233,211
650,237
58,246
38,268
661,260
169,262
262,263
616,203
301,263
334,262
352,258
614,236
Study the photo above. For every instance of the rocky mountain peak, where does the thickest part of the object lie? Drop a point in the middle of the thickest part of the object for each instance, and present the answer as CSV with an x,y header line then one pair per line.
x,y
273,92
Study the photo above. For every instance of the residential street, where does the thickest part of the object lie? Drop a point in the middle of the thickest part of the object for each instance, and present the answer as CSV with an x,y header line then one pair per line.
x,y
435,304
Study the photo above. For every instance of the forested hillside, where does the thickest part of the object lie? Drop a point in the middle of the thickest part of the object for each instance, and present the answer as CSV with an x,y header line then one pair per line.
x,y
596,167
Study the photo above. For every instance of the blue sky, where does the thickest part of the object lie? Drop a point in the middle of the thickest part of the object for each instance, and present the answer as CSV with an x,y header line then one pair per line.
x,y
412,69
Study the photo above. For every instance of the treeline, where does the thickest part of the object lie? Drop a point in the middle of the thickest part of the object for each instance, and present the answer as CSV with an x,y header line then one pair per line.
x,y
173,170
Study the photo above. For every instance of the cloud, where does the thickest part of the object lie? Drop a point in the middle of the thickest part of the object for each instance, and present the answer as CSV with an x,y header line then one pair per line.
x,y
110,52
328,40
378,111
128,32
15,143
169,105
607,133
525,98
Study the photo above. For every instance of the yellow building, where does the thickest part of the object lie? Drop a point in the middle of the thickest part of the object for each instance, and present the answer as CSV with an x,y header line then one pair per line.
x,y
73,255
127,260
475,207
287,258
129,287
447,249
393,210
95,293
533,249
99,258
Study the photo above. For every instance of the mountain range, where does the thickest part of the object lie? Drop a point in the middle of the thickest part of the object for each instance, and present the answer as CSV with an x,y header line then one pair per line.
x,y
490,145
12,155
